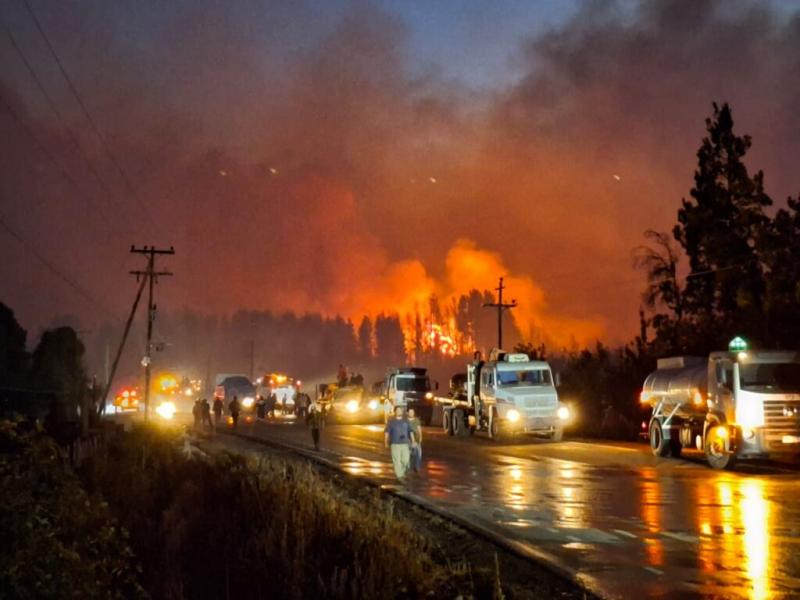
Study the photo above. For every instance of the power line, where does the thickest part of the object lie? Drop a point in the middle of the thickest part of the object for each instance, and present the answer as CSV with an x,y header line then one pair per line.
x,y
57,113
87,114
53,269
49,155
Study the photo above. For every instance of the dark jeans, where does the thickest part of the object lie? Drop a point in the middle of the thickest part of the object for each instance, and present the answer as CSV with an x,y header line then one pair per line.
x,y
235,417
416,458
315,437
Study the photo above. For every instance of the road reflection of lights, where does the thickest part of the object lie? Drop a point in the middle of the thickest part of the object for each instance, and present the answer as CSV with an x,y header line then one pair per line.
x,y
734,523
651,515
353,465
755,520
516,473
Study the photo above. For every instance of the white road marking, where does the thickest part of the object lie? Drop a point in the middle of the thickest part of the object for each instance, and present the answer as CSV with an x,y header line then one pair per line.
x,y
654,571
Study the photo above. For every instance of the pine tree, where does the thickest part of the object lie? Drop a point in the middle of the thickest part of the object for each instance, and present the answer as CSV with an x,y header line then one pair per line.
x,y
720,228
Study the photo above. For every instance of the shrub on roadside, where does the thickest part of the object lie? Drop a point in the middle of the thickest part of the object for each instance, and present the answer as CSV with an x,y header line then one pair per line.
x,y
57,542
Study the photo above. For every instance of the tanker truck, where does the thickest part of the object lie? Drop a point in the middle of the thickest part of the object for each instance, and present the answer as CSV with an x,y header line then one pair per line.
x,y
735,405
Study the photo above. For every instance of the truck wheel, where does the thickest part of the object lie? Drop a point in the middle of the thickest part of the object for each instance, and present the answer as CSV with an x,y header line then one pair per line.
x,y
658,444
717,454
495,432
459,423
447,422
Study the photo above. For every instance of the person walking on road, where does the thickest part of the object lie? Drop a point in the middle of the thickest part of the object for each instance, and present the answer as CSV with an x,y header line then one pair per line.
x,y
197,413
218,408
234,408
261,408
205,411
315,420
416,445
398,438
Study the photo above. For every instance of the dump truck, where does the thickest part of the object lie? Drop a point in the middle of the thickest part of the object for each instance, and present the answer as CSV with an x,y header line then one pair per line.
x,y
507,395
734,405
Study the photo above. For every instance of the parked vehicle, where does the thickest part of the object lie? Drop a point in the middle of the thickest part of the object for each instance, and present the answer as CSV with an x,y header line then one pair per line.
x,y
284,387
240,386
506,395
353,404
734,405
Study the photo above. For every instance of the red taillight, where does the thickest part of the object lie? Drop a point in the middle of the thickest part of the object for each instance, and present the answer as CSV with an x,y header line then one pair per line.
x,y
644,425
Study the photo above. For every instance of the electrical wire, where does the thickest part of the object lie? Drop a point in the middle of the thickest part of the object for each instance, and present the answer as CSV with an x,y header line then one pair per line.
x,y
54,108
80,290
88,115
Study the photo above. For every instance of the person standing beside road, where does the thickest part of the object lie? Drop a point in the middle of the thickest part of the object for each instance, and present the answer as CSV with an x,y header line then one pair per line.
x,y
416,445
234,408
218,408
314,419
398,438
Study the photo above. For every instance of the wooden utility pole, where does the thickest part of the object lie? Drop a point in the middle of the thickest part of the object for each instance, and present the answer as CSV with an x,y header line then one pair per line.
x,y
500,308
125,333
151,275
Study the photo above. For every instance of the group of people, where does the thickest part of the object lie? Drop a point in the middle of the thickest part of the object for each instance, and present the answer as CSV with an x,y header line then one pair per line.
x,y
343,379
403,438
201,411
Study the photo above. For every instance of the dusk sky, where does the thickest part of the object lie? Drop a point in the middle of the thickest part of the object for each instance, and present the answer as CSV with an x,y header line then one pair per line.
x,y
357,157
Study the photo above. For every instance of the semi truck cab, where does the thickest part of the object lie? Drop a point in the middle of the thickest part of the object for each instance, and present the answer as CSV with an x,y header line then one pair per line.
x,y
733,405
517,394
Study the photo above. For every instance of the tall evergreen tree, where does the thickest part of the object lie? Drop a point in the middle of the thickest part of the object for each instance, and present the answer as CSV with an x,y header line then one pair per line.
x,y
720,228
781,255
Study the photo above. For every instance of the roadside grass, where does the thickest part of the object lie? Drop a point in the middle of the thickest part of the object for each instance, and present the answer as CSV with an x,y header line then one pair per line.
x,y
224,526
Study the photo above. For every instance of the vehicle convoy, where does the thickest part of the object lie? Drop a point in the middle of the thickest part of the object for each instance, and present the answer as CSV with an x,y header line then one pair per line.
x,y
734,405
505,395
410,387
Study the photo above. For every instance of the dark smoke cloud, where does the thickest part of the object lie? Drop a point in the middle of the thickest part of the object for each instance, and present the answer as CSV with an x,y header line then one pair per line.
x,y
298,162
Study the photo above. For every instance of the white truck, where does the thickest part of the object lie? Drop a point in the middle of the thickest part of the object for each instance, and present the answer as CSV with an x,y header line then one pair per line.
x,y
733,405
503,396
410,387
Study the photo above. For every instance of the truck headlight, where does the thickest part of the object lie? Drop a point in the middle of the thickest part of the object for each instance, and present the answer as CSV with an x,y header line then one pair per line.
x,y
429,396
248,401
166,410
563,413
749,413
352,406
372,404
512,416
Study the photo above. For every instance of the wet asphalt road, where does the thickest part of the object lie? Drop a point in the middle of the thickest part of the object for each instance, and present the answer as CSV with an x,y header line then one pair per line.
x,y
629,525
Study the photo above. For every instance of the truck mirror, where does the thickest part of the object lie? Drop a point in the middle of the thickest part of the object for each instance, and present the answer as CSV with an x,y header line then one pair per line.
x,y
558,379
436,385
